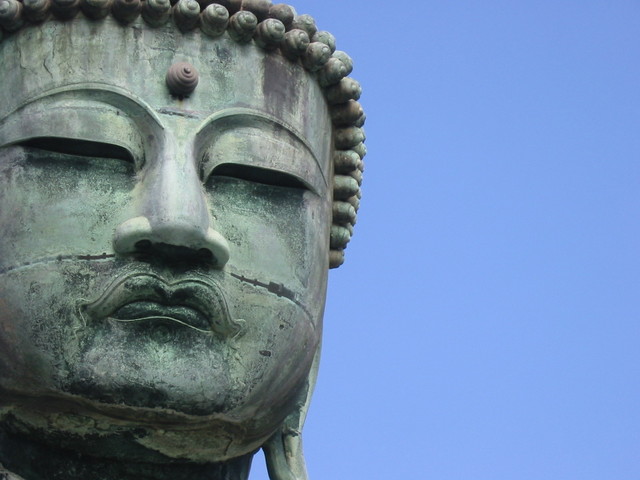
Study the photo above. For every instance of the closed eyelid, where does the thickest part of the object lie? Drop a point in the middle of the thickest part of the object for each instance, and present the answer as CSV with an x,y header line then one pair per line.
x,y
246,137
259,175
82,148
227,118
74,123
90,113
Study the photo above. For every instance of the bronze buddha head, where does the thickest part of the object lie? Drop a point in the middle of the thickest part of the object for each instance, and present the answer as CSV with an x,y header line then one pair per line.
x,y
175,182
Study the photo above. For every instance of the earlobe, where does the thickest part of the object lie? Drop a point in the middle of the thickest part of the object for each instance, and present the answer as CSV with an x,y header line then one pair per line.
x,y
283,464
283,451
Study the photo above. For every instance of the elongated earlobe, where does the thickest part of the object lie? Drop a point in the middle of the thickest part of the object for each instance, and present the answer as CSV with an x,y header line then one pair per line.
x,y
283,451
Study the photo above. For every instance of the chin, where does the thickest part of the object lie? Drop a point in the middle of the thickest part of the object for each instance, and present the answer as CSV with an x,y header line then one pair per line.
x,y
149,434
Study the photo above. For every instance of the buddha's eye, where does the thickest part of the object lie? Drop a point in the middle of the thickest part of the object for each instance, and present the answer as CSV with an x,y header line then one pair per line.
x,y
259,175
80,148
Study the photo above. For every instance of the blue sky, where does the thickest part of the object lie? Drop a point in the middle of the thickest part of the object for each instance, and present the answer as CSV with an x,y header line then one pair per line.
x,y
487,320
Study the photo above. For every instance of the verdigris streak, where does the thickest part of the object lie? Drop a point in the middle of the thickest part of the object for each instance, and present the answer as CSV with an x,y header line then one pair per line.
x,y
175,182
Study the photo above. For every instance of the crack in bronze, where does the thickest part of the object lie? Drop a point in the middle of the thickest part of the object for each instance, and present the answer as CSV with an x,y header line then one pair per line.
x,y
179,113
57,258
277,289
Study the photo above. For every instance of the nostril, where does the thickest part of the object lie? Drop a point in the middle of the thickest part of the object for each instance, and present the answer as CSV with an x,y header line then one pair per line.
x,y
206,255
174,254
143,245
175,241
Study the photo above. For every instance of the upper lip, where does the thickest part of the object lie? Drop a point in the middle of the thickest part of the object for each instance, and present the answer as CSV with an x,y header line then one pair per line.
x,y
199,295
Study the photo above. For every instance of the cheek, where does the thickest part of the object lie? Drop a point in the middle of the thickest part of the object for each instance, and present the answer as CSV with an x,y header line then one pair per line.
x,y
40,321
274,354
277,235
54,205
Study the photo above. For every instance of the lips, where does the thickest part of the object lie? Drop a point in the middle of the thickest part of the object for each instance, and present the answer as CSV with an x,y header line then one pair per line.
x,y
142,297
149,311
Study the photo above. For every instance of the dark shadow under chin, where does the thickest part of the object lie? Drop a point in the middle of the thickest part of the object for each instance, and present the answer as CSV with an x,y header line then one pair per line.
x,y
33,459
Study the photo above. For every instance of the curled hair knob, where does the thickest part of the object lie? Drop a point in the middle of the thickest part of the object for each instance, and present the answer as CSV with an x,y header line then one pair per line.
x,y
357,176
156,12
182,79
346,114
336,258
345,161
360,149
186,14
306,23
325,37
295,43
270,33
332,72
65,9
345,59
260,8
283,12
346,138
11,15
355,201
36,10
316,56
344,212
126,11
242,26
214,20
340,236
96,9
345,90
344,187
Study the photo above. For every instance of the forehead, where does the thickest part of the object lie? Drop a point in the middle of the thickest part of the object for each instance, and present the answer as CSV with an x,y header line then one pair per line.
x,y
134,60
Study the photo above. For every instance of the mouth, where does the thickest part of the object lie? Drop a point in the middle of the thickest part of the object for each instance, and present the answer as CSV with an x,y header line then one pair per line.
x,y
151,311
193,303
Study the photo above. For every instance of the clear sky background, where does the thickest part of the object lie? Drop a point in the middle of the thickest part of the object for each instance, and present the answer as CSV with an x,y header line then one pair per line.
x,y
486,324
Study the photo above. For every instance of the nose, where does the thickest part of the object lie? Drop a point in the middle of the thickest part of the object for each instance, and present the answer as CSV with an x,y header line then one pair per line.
x,y
172,217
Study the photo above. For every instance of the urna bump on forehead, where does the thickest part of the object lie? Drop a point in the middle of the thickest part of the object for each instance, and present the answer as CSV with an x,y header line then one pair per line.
x,y
277,29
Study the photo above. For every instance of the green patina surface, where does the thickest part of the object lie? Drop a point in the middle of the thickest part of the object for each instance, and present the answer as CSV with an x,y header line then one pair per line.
x,y
163,258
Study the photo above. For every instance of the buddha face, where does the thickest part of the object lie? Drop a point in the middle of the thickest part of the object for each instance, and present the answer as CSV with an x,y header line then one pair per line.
x,y
162,260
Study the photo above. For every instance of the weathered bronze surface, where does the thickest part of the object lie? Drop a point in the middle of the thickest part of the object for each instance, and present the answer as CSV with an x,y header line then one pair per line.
x,y
174,185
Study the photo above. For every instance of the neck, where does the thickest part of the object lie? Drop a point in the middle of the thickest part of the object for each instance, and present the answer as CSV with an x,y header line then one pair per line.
x,y
35,461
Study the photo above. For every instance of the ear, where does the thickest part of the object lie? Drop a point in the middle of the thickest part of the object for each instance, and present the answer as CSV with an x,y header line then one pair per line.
x,y
283,451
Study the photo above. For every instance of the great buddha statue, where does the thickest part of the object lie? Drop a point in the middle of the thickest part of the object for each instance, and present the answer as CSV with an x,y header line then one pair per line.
x,y
176,179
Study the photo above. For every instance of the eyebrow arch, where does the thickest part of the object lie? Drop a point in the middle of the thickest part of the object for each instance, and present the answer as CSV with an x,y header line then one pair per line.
x,y
229,113
99,92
